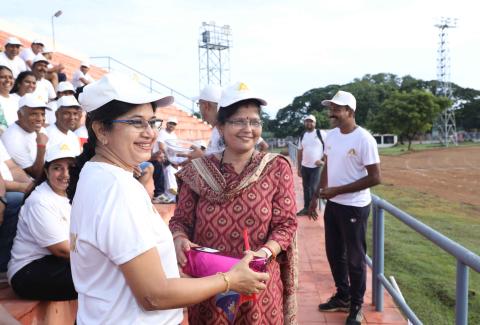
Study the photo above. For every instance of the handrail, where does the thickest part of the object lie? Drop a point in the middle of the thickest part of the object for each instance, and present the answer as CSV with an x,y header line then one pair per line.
x,y
180,98
465,258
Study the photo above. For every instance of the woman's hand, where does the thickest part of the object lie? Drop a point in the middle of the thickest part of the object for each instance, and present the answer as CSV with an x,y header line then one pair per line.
x,y
182,245
245,281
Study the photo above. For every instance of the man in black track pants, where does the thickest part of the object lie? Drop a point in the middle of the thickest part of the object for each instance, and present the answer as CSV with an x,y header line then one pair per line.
x,y
352,166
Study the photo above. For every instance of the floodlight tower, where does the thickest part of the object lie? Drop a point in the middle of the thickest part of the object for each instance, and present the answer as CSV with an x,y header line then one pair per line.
x,y
214,54
445,123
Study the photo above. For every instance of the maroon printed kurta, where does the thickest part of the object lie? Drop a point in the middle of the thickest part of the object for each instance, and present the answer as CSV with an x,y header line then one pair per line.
x,y
266,208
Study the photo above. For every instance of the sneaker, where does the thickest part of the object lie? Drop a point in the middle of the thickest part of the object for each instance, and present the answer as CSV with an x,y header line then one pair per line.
x,y
355,316
302,212
335,303
162,199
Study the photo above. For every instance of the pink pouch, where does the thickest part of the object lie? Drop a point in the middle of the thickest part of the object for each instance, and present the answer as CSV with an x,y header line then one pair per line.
x,y
204,261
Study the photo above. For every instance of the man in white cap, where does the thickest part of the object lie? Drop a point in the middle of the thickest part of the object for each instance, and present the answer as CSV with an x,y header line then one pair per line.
x,y
25,139
44,90
29,53
352,166
164,193
10,58
64,88
81,76
67,115
310,160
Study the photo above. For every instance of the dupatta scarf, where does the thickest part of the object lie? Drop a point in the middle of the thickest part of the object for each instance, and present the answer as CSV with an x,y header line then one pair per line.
x,y
204,178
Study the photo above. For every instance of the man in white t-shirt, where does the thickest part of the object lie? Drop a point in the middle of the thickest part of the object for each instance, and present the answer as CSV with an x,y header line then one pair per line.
x,y
15,184
67,115
310,160
352,166
81,76
29,53
166,192
25,139
10,58
44,90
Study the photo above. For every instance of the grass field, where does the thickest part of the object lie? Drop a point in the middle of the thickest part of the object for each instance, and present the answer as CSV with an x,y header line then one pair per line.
x,y
424,272
400,149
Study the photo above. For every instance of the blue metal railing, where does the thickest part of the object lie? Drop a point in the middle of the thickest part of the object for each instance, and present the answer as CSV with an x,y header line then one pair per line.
x,y
465,258
110,64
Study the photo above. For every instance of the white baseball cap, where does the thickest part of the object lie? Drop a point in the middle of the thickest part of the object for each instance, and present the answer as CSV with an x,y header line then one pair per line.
x,y
342,98
237,92
65,86
39,58
67,101
32,101
38,41
13,41
59,151
85,64
210,93
172,119
310,117
114,86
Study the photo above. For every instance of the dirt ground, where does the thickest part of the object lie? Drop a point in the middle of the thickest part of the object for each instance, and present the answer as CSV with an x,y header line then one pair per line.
x,y
450,173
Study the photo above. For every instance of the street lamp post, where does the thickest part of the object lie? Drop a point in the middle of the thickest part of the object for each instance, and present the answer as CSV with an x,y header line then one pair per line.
x,y
57,14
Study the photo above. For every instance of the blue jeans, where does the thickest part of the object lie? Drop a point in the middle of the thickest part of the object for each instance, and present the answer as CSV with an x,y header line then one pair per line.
x,y
310,180
8,229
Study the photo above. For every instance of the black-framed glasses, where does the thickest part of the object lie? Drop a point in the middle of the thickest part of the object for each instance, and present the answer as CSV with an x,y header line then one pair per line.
x,y
255,124
141,124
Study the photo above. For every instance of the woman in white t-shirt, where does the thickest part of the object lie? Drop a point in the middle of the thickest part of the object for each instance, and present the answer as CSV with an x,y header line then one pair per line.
x,y
40,267
8,104
122,253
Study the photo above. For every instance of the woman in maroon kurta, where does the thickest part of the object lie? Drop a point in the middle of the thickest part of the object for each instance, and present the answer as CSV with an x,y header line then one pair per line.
x,y
222,194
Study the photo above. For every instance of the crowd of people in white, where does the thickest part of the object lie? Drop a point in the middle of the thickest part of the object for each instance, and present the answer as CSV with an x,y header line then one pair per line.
x,y
39,115
42,130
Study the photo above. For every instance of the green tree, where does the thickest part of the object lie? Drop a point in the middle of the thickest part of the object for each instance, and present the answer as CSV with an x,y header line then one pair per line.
x,y
408,114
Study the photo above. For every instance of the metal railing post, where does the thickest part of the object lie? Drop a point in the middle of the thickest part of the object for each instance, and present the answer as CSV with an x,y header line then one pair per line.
x,y
109,65
374,253
461,304
380,261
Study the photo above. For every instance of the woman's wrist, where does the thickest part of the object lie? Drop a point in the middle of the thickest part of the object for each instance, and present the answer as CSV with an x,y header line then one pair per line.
x,y
179,234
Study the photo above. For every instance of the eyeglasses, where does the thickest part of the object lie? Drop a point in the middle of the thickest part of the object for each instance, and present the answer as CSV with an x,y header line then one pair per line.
x,y
142,125
240,124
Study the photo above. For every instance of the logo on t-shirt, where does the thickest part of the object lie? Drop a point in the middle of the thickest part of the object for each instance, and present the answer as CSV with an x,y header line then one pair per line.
x,y
352,152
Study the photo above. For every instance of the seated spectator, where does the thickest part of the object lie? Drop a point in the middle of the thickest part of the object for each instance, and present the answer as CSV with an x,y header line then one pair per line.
x,y
64,88
25,139
24,84
10,56
8,103
44,89
67,115
169,168
29,53
55,71
13,184
81,76
40,264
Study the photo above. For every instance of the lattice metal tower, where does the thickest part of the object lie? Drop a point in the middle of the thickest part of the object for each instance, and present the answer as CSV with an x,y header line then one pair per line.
x,y
445,123
214,54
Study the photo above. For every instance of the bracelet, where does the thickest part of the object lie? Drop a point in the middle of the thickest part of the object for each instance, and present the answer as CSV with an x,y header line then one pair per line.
x,y
267,251
274,255
179,234
227,281
41,145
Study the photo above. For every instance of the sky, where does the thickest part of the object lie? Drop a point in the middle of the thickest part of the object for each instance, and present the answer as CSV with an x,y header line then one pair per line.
x,y
280,48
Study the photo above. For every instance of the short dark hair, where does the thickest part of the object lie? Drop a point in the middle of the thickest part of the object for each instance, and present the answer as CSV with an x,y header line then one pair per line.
x,y
224,113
